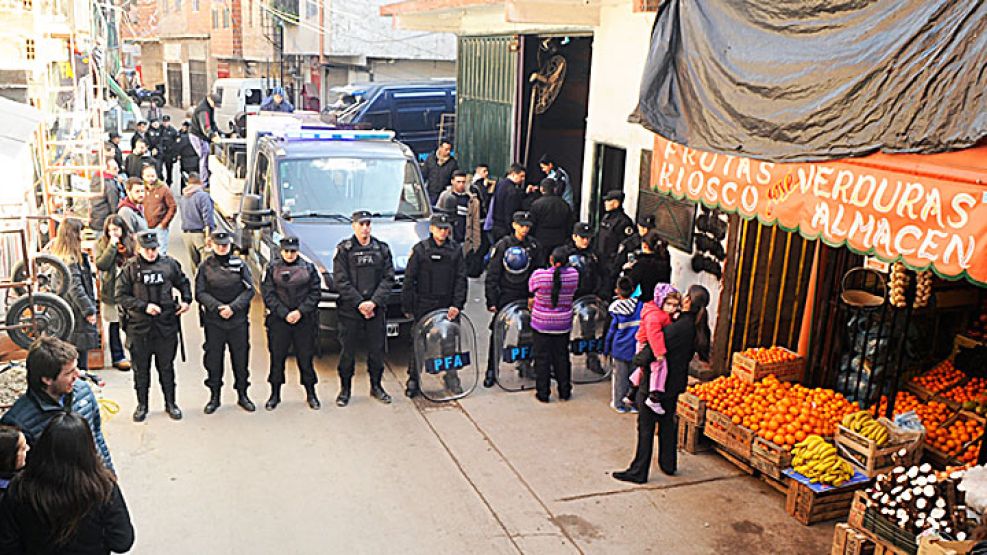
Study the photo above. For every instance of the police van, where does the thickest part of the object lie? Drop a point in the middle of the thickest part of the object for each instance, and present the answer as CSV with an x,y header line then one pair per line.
x,y
294,175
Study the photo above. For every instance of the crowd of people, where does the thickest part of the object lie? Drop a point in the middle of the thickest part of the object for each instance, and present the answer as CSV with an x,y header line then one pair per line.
x,y
525,238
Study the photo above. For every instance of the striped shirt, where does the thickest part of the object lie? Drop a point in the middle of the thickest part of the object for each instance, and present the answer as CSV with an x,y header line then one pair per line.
x,y
545,318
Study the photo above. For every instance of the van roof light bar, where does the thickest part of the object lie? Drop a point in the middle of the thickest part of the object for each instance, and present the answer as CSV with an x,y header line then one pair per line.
x,y
337,135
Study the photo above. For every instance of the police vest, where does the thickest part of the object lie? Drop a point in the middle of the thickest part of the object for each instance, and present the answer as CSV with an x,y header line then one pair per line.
x,y
225,281
365,265
291,282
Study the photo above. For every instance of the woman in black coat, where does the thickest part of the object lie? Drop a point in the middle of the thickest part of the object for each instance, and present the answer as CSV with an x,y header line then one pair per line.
x,y
81,294
652,266
684,338
65,500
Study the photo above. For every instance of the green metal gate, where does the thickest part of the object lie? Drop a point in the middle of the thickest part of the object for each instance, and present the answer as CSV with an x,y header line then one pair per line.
x,y
486,87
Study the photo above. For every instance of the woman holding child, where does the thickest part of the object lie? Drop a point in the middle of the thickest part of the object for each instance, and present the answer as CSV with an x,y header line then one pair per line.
x,y
685,337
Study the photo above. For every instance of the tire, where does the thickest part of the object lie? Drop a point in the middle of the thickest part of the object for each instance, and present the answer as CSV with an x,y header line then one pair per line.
x,y
52,314
53,275
158,101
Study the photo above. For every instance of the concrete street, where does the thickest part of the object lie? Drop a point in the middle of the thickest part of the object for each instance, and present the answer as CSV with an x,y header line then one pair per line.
x,y
497,472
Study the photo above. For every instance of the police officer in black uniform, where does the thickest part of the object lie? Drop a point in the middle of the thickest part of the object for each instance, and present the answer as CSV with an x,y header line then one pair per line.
x,y
223,289
592,279
291,290
615,227
631,247
363,272
583,258
434,278
151,318
507,278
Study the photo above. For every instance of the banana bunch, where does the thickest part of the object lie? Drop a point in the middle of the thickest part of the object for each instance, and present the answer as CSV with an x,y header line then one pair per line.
x,y
864,424
817,460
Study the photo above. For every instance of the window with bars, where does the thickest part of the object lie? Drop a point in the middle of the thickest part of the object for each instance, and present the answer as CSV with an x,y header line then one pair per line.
x,y
674,219
226,18
29,49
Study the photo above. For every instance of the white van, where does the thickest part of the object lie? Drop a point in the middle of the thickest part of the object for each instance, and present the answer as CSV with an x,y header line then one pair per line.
x,y
240,95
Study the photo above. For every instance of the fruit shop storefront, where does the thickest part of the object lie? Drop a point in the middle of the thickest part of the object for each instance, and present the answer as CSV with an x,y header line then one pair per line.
x,y
851,283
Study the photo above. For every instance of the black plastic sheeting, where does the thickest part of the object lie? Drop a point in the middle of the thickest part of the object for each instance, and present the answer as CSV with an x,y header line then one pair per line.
x,y
805,80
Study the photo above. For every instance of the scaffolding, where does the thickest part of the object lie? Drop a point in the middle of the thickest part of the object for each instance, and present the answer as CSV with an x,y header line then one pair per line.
x,y
74,95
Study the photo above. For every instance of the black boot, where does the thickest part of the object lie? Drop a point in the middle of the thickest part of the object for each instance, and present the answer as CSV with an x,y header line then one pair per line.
x,y
213,403
172,409
411,389
275,399
377,391
245,402
343,398
312,398
490,379
140,413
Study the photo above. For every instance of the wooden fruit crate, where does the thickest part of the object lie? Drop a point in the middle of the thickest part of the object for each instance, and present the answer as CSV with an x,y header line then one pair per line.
x,y
691,409
889,534
856,542
778,484
769,458
809,506
869,459
691,439
857,509
751,370
732,437
939,458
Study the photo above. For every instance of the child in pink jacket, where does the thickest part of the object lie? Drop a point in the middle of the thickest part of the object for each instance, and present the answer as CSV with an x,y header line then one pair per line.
x,y
654,317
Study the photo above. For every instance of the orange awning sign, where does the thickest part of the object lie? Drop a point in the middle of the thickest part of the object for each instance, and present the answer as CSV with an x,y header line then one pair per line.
x,y
925,220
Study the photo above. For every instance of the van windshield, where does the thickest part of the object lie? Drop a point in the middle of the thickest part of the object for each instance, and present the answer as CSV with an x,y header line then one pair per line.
x,y
388,187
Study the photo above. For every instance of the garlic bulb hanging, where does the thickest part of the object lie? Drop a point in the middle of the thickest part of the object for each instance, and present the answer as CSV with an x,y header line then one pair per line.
x,y
899,284
923,289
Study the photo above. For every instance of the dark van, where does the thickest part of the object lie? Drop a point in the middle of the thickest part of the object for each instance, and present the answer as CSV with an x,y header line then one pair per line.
x,y
414,110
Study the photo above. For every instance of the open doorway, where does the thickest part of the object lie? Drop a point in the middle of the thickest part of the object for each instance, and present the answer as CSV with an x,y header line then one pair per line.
x,y
608,175
554,123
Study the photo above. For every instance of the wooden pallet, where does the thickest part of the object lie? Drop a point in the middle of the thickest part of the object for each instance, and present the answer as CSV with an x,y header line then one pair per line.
x,y
691,439
809,507
778,484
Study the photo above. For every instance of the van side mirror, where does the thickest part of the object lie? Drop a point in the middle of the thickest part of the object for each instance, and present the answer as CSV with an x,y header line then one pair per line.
x,y
254,214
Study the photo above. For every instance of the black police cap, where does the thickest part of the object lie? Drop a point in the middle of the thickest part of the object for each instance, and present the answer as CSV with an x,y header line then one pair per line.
x,y
614,195
646,221
362,216
582,229
522,218
289,243
148,239
221,238
441,220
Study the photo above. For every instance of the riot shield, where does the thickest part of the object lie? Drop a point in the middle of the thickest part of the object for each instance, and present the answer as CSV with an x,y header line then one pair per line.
x,y
589,329
445,355
513,347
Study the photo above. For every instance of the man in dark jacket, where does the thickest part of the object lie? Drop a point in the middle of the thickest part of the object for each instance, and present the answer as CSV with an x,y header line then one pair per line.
x,y
551,216
363,271
53,385
615,226
437,171
436,269
551,169
188,158
166,148
513,260
203,131
223,288
144,290
140,134
138,158
109,183
292,289
631,246
114,143
505,201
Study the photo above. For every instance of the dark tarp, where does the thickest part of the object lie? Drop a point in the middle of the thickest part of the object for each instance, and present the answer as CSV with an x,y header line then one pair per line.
x,y
805,80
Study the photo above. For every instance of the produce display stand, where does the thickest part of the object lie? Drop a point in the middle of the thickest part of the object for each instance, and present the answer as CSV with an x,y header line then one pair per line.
x,y
729,436
810,503
691,438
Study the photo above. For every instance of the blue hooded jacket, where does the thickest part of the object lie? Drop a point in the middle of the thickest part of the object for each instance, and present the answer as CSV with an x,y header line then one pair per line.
x,y
268,105
624,322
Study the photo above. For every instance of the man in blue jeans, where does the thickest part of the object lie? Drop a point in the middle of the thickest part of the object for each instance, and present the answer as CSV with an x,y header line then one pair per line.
x,y
53,386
